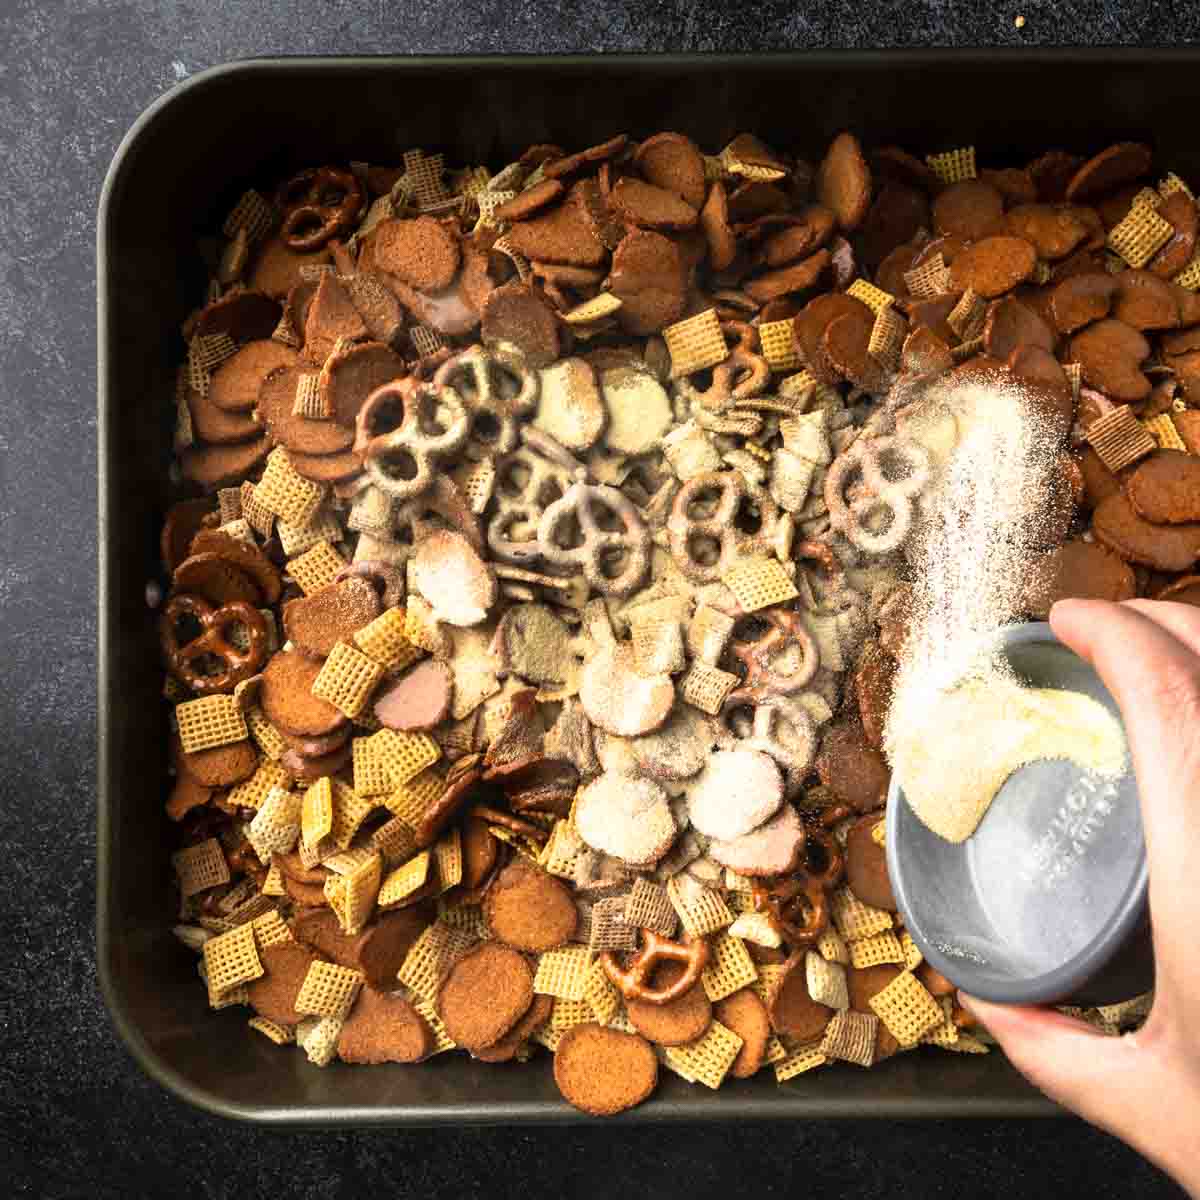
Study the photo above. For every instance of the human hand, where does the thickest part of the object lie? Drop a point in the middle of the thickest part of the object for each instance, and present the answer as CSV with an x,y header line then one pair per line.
x,y
1143,1087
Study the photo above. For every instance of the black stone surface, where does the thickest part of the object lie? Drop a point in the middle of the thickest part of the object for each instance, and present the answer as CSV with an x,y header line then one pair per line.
x,y
76,1116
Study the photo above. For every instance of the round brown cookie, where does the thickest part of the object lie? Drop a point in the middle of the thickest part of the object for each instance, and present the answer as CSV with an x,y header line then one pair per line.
x,y
1077,570
291,866
1052,231
866,866
562,235
182,522
714,221
287,699
671,161
798,277
381,312
295,307
1182,342
556,168
273,994
678,1021
864,982
747,1016
1098,481
244,556
380,950
215,425
1187,425
484,995
320,930
1114,207
245,316
605,226
216,580
604,1071
843,182
1164,547
811,228
316,747
677,750
187,794
218,766
311,895
341,468
894,163
1010,325
1165,488
1182,591
896,214
1111,168
993,266
1081,299
792,1010
649,279
276,268
846,343
933,980
1144,301
1052,172
479,852
305,769
924,353
530,201
933,314
1015,184
422,252
810,323
873,683
419,699
516,313
534,1017
1180,210
384,1027
650,207
891,272
331,316
276,397
753,199
970,209
1111,354
529,909
316,623
211,467
349,376
855,772
949,247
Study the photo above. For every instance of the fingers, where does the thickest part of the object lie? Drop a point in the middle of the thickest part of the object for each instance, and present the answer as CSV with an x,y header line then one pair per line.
x,y
1182,620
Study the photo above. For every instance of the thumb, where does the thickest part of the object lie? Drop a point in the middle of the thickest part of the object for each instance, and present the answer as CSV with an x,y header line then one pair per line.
x,y
1099,1077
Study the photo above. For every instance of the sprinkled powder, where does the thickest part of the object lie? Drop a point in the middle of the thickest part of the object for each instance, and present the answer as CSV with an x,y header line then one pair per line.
x,y
960,722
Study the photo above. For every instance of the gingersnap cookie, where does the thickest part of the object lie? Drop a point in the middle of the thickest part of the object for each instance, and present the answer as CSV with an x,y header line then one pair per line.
x,y
340,469
349,376
320,930
602,1071
306,769
505,1049
529,202
678,1021
970,209
484,995
1081,299
649,278
562,235
993,265
896,214
1077,570
1011,325
1165,488
287,699
419,699
316,623
273,994
650,207
1118,164
245,557
310,895
276,267
183,521
216,580
276,399
331,316
218,766
873,683
422,252
529,909
479,852
811,322
316,747
187,794
1111,353
855,772
1163,547
804,234
516,313
245,316
383,1027
215,425
862,983
1179,209
292,867
1144,301
866,865
672,161
843,181
211,467
380,950
797,277
747,1016
792,1010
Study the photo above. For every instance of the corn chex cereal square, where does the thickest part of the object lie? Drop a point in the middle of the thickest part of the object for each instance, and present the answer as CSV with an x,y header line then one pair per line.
x,y
431,957
779,346
563,973
875,298
231,959
562,851
882,948
271,929
200,867
707,687
250,793
310,402
447,856
281,1035
944,1034
695,343
273,883
912,952
595,309
349,811
826,981
442,1041
405,755
759,583
953,166
887,338
658,646
395,841
386,641
1140,235
210,721
298,539
410,800
405,880
370,776
1172,183
316,567
730,967
347,679
708,1059
566,1014
906,1009
1163,430
601,994
798,1060
850,1036
285,492
701,909
328,990
318,1037
930,279
276,825
352,896
854,919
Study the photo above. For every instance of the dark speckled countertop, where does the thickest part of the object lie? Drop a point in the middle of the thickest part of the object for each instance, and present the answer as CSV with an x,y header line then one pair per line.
x,y
77,1118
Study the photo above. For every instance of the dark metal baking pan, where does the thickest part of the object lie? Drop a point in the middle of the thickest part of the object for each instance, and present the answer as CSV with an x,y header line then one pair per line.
x,y
174,177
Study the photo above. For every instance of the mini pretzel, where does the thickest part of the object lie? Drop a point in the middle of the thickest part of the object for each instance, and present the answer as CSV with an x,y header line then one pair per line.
x,y
545,482
744,373
325,197
212,642
599,545
633,980
491,385
720,525
798,908
417,444
761,681
794,755
853,515
835,860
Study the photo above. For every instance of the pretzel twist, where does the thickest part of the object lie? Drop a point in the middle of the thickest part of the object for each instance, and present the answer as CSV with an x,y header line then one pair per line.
x,y
633,980
212,642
